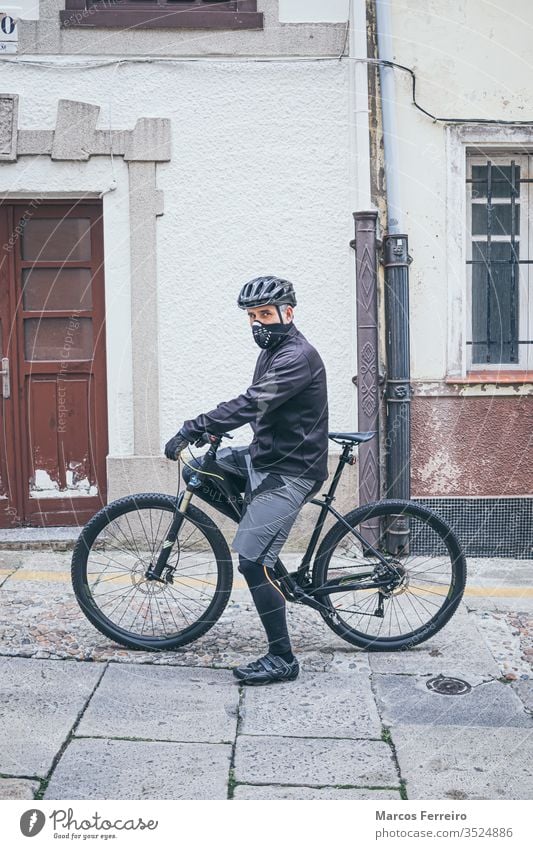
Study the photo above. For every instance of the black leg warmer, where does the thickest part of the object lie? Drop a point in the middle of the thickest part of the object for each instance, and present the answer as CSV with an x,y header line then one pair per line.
x,y
270,604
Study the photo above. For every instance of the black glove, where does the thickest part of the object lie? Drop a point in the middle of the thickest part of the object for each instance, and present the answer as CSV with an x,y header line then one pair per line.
x,y
176,445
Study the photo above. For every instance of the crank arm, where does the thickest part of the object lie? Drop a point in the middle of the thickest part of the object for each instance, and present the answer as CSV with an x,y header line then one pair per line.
x,y
295,593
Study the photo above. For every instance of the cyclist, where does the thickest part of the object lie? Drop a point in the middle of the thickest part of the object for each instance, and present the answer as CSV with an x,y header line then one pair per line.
x,y
285,464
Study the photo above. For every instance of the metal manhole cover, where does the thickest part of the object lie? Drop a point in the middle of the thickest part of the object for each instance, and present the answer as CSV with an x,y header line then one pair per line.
x,y
446,686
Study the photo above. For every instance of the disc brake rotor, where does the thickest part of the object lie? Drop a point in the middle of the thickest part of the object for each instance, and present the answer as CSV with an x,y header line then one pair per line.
x,y
139,580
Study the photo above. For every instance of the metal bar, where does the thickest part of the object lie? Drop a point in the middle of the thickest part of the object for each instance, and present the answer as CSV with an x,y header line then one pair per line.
x,y
484,342
489,233
500,261
512,352
481,180
365,245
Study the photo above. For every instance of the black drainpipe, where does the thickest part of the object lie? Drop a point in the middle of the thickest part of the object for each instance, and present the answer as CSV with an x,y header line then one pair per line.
x,y
398,388
396,264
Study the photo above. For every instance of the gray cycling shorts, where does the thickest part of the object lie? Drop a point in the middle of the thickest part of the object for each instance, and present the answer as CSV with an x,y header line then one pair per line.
x,y
272,502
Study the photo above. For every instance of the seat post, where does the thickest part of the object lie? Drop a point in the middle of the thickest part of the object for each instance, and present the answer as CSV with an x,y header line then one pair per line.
x,y
343,459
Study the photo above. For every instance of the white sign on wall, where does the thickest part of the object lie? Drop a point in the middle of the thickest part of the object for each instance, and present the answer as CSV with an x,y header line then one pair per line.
x,y
313,11
8,33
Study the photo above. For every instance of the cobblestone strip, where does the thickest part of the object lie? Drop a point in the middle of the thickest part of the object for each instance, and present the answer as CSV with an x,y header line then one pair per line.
x,y
509,637
45,781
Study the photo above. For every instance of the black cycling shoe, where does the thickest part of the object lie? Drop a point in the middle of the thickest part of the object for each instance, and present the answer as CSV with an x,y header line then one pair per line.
x,y
267,670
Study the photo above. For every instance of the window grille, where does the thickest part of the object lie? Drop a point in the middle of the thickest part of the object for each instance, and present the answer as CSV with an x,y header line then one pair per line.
x,y
499,258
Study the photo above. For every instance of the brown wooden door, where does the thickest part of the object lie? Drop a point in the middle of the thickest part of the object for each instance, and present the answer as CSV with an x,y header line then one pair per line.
x,y
54,422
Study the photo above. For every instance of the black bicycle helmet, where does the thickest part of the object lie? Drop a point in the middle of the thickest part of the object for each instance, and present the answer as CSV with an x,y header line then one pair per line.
x,y
266,290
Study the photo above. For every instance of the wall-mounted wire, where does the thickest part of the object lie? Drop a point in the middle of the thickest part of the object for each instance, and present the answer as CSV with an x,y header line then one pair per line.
x,y
264,60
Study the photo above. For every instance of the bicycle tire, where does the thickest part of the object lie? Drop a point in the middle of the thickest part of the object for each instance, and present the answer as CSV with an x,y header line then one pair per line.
x,y
92,542
324,571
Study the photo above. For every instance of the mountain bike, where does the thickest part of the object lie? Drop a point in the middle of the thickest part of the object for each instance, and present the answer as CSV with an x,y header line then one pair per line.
x,y
152,571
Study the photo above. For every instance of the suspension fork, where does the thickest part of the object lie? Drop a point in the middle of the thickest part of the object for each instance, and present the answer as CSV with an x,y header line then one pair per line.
x,y
153,573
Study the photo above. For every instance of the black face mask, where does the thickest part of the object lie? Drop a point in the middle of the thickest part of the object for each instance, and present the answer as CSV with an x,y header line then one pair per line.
x,y
269,335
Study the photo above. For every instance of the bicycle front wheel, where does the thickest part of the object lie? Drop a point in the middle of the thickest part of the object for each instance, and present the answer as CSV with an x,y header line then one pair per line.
x,y
417,550
112,555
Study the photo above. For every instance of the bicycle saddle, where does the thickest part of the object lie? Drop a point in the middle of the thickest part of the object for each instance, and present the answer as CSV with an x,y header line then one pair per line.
x,y
352,437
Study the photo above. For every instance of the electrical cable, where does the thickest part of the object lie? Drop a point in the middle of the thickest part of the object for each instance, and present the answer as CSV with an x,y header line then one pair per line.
x,y
429,114
269,60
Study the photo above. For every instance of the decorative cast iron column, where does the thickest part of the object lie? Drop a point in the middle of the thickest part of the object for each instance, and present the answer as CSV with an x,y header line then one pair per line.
x,y
367,378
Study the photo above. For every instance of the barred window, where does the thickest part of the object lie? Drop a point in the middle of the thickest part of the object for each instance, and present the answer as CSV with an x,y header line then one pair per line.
x,y
185,14
500,321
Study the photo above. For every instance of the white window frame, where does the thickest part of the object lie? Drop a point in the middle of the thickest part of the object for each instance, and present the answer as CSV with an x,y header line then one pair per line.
x,y
525,319
487,142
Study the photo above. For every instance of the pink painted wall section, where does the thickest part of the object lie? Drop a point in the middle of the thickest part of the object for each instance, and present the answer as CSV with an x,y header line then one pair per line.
x,y
472,446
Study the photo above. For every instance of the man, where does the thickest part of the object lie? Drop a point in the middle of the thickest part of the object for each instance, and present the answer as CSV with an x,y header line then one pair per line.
x,y
285,464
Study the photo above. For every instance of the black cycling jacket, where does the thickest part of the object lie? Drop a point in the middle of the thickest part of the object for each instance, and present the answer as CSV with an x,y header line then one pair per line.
x,y
286,406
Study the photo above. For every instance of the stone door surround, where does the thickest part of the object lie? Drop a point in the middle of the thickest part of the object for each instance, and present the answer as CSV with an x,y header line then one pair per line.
x,y
75,138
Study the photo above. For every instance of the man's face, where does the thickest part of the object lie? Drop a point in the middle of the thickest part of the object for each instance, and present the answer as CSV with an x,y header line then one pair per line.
x,y
267,315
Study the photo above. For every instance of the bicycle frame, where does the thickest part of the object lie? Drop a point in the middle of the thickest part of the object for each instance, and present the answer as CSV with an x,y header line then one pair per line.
x,y
295,582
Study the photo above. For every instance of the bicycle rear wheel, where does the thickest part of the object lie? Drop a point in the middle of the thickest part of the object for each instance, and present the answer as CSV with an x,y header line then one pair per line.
x,y
116,548
426,563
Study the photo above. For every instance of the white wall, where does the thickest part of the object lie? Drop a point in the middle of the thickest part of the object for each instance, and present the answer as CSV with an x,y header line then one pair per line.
x,y
472,59
27,10
257,183
305,11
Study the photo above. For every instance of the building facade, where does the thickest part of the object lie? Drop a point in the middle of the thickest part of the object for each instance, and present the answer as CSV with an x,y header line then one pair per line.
x,y
154,158
465,183
155,154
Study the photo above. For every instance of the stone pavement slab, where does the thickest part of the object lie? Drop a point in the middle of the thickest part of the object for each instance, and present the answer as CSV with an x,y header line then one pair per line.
x,y
406,700
18,788
499,583
524,691
163,703
315,705
448,762
42,701
252,791
125,769
276,760
458,650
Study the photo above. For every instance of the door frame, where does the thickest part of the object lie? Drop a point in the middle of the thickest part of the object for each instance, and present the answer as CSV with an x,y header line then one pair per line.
x,y
69,510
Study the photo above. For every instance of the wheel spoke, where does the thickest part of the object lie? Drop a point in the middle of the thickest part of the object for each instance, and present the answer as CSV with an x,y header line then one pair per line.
x,y
127,605
423,576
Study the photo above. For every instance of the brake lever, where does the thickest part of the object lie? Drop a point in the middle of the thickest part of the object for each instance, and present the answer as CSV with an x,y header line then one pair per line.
x,y
209,437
